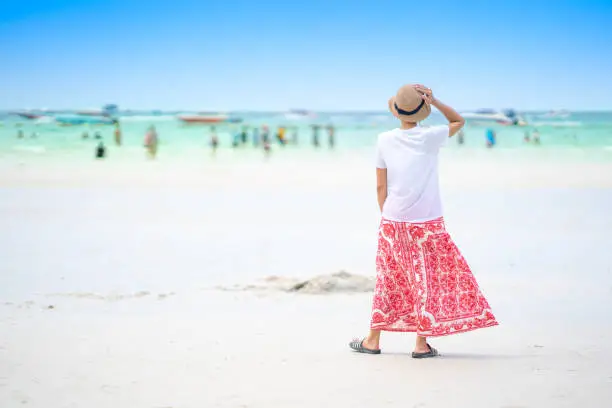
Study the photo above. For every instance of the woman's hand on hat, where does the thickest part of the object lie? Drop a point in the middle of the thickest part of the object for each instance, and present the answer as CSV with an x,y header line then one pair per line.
x,y
426,94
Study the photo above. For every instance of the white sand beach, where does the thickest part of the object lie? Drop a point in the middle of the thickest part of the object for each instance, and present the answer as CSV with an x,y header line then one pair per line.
x,y
108,277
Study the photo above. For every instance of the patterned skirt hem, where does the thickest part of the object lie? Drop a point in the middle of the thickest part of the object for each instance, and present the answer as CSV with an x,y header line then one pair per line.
x,y
426,334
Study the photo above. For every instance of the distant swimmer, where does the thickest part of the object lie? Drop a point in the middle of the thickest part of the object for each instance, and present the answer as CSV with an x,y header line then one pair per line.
x,y
294,135
97,135
267,148
281,135
265,134
117,133
536,136
20,134
236,139
526,137
34,135
214,139
244,135
256,136
490,137
461,137
151,142
315,135
100,150
85,135
331,135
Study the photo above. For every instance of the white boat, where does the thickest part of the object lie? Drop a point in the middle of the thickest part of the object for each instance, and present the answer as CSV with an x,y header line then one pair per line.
x,y
487,116
71,120
106,110
203,118
561,114
299,114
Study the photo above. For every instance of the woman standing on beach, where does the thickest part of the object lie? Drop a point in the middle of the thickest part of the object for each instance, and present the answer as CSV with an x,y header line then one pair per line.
x,y
424,284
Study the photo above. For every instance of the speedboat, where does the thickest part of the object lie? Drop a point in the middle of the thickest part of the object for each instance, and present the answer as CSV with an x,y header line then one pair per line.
x,y
299,114
27,114
487,116
561,114
69,120
203,119
106,110
105,116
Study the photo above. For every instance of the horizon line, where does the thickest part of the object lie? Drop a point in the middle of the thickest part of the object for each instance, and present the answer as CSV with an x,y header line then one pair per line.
x,y
221,111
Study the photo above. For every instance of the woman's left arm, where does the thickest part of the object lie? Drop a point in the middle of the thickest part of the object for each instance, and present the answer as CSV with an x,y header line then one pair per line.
x,y
381,187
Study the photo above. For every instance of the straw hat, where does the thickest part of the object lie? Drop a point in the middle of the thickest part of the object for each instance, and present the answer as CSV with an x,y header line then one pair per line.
x,y
408,105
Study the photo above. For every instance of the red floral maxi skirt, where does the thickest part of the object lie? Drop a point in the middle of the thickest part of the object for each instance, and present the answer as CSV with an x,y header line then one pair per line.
x,y
424,284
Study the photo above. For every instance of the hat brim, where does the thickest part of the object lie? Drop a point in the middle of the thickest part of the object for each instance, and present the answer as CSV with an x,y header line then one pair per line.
x,y
422,114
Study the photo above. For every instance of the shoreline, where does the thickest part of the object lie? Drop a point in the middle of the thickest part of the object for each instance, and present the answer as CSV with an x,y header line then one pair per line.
x,y
458,169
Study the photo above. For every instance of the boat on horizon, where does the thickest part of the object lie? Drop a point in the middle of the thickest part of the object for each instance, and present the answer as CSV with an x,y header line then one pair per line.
x,y
72,120
507,117
107,110
207,118
27,114
299,114
203,118
557,114
107,115
229,118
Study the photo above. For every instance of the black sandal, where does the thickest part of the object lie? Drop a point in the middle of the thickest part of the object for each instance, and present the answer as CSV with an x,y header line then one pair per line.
x,y
357,345
428,354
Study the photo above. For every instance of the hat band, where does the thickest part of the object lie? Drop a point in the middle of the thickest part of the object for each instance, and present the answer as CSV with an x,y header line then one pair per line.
x,y
412,112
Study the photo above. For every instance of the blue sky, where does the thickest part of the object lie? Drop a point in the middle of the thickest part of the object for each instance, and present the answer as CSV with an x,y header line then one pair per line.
x,y
326,55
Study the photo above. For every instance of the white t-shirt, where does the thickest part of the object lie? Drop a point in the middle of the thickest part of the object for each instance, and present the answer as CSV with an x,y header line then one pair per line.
x,y
411,159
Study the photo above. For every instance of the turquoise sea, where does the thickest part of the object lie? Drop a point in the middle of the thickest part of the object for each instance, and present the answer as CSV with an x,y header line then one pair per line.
x,y
587,135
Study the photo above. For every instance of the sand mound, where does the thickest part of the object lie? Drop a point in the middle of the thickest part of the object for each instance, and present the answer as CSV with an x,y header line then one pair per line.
x,y
339,282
